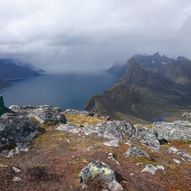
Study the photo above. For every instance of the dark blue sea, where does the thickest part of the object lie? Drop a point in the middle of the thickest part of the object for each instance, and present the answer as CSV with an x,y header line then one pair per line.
x,y
62,90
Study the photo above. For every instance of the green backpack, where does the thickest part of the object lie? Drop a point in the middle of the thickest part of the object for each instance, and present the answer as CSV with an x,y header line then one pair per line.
x,y
2,106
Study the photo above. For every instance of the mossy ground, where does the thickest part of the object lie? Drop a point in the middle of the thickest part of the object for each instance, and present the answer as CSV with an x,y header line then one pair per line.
x,y
55,160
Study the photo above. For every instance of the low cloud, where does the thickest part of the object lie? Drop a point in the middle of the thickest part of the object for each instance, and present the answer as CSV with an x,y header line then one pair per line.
x,y
61,35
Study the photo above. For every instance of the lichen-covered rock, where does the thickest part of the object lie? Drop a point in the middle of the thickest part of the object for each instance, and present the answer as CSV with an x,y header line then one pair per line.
x,y
99,172
112,130
43,114
137,152
186,116
148,138
178,130
16,131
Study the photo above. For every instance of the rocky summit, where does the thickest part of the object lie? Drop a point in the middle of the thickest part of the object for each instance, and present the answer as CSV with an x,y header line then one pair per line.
x,y
47,148
20,125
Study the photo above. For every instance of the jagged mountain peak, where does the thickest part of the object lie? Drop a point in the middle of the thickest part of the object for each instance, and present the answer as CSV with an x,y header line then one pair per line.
x,y
178,70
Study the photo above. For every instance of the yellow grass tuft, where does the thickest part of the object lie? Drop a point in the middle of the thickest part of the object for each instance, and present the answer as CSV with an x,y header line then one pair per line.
x,y
82,120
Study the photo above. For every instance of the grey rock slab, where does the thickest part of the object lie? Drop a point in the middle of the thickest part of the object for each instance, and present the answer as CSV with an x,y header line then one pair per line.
x,y
177,130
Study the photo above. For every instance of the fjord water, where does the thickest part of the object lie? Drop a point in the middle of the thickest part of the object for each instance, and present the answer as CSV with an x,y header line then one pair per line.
x,y
62,90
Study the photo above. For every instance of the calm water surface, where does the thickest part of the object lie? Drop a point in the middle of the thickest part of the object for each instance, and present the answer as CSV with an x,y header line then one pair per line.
x,y
62,90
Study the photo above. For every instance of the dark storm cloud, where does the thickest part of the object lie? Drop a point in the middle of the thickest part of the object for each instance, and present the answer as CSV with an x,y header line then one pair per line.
x,y
62,35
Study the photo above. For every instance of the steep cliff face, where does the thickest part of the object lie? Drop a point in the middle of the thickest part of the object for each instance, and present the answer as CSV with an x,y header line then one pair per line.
x,y
149,90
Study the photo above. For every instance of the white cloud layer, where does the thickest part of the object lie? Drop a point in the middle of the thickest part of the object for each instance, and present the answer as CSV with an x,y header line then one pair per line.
x,y
62,35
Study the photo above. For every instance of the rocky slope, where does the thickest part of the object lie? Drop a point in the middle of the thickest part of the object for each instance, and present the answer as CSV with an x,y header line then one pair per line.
x,y
46,148
152,88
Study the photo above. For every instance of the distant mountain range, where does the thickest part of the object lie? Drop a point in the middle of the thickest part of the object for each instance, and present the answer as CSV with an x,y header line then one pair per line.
x,y
11,70
152,87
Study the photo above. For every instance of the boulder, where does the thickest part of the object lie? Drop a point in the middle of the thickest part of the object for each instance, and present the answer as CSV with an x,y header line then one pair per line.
x,y
177,130
99,173
16,131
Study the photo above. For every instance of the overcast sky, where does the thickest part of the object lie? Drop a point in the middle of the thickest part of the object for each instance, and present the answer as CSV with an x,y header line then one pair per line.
x,y
64,35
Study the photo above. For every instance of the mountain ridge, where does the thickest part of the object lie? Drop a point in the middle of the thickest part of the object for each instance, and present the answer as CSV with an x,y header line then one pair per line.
x,y
148,90
11,70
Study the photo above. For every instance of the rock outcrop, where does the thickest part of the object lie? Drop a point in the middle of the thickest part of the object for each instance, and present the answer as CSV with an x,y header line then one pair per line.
x,y
114,132
43,114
